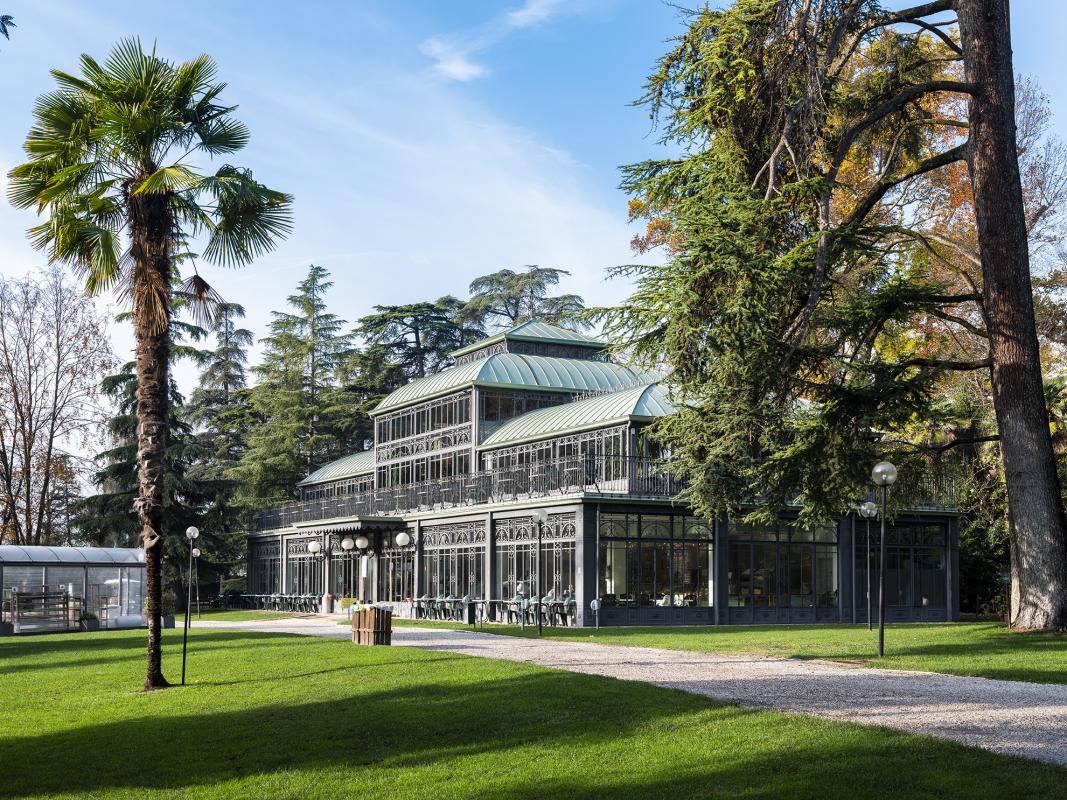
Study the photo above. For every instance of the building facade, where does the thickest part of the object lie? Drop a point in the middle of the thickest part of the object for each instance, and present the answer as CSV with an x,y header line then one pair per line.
x,y
539,421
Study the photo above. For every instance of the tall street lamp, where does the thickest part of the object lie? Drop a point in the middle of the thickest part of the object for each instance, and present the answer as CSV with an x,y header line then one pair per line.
x,y
884,475
868,510
540,516
190,533
347,544
362,542
196,572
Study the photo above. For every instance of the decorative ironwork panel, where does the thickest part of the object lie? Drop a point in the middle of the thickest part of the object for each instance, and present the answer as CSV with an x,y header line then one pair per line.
x,y
560,527
299,547
482,352
270,549
456,534
427,443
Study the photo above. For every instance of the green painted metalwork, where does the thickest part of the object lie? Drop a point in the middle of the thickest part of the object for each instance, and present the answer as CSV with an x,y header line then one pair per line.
x,y
516,371
347,467
534,331
641,403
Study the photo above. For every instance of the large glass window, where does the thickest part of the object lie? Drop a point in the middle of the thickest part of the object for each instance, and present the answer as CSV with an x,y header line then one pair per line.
x,y
764,573
655,574
618,571
783,566
515,568
435,415
931,578
303,575
23,579
915,565
826,577
265,561
453,572
655,560
104,594
396,574
558,564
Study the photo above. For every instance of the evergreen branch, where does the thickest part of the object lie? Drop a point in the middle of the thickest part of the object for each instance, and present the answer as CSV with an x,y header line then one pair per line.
x,y
887,107
947,364
879,191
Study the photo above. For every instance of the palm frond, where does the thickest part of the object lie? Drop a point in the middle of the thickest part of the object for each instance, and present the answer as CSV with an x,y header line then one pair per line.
x,y
200,298
6,21
175,178
249,217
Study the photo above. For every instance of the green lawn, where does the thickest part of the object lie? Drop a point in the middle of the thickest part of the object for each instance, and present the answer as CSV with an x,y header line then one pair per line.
x,y
985,649
226,615
269,715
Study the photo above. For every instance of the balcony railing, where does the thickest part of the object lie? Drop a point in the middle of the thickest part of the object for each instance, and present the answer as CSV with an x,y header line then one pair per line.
x,y
569,475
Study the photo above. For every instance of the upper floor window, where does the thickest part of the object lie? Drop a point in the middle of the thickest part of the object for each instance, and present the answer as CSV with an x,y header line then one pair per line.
x,y
446,412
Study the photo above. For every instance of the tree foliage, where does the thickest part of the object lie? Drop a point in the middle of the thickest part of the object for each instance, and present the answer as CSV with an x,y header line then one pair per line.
x,y
508,297
816,297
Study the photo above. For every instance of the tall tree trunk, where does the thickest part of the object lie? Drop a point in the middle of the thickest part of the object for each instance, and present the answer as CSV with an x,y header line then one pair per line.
x,y
150,227
1029,463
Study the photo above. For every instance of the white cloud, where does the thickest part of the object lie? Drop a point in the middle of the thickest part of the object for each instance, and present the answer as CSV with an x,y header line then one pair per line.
x,y
452,53
533,12
452,62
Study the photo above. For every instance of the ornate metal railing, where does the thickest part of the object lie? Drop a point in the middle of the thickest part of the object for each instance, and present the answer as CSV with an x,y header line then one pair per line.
x,y
570,475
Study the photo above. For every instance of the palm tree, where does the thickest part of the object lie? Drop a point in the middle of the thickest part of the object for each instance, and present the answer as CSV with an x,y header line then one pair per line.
x,y
6,23
109,166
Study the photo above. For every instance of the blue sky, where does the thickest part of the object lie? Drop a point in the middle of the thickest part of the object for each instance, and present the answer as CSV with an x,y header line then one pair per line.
x,y
425,142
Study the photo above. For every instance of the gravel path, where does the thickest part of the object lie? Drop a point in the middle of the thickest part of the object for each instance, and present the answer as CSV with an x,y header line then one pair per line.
x,y
1022,719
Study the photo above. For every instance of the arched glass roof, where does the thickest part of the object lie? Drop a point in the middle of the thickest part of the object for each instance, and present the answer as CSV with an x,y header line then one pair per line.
x,y
12,554
347,467
512,370
643,403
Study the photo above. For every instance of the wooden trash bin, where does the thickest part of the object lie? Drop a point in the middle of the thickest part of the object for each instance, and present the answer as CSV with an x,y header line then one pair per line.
x,y
372,625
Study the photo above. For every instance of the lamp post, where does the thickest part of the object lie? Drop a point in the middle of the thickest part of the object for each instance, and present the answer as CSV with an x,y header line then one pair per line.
x,y
867,511
403,539
196,572
540,517
362,542
348,544
190,533
884,475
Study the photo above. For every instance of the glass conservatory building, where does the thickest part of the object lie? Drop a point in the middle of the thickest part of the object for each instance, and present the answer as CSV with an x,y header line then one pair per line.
x,y
46,588
538,423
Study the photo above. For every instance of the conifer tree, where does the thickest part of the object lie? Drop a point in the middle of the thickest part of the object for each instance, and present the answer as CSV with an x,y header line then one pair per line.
x,y
298,409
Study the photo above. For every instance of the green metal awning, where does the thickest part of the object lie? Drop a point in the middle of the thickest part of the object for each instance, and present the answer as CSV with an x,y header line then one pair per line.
x,y
512,370
642,403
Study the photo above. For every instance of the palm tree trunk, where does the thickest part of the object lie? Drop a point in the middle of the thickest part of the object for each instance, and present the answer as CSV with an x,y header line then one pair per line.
x,y
150,227
1040,531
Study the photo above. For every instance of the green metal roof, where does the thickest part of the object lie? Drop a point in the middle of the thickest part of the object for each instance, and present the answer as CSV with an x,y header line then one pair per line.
x,y
534,331
519,372
640,403
347,467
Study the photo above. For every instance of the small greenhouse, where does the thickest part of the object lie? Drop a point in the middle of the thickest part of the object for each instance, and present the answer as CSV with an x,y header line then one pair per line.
x,y
55,588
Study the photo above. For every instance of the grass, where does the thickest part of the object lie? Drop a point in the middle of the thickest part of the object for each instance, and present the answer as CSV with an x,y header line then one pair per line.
x,y
227,615
983,649
270,715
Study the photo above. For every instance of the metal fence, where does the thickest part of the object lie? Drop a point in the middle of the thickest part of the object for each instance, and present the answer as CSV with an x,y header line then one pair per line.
x,y
569,475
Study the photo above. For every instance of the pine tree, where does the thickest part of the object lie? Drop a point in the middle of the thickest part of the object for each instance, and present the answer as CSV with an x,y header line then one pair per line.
x,y
298,411
419,337
506,298
223,375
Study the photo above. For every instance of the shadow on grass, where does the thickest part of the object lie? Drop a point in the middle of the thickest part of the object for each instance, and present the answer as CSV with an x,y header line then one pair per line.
x,y
39,654
424,728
